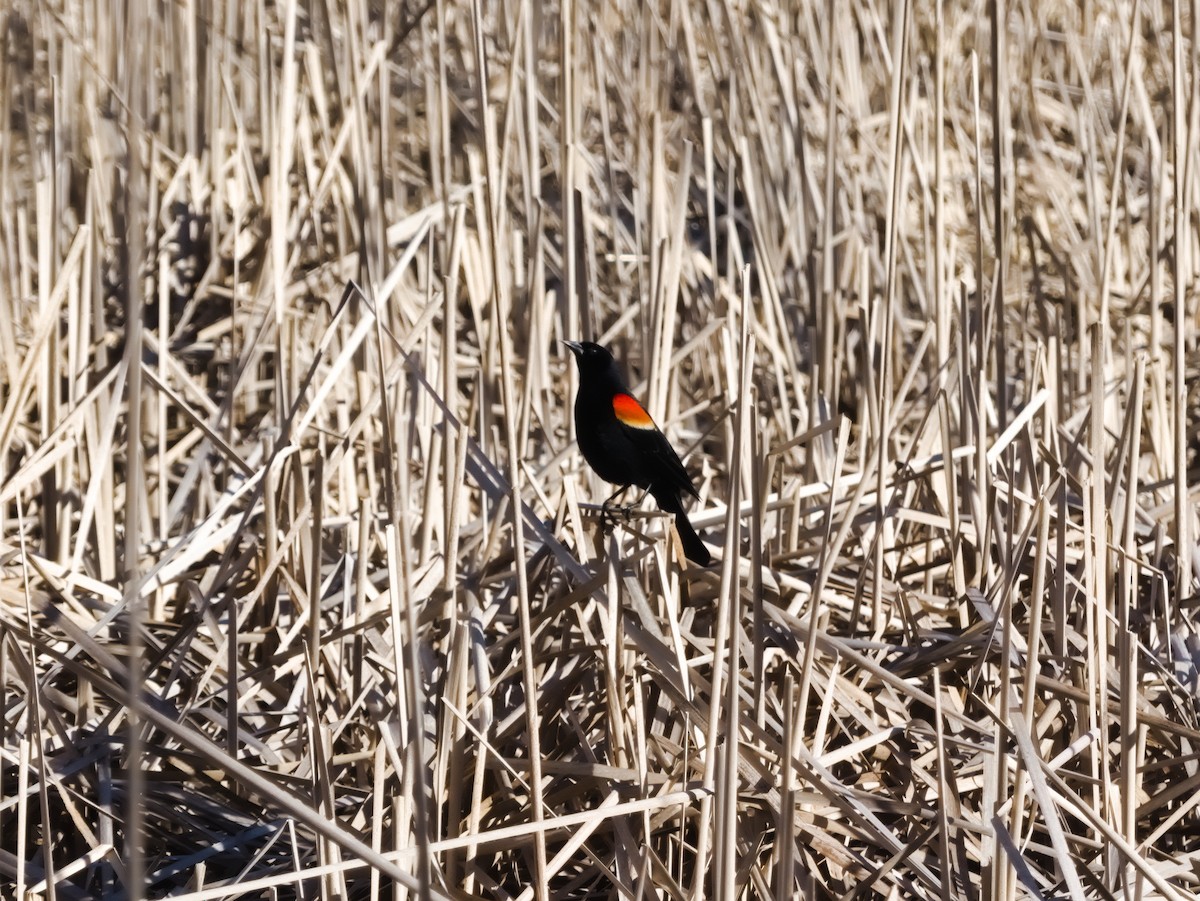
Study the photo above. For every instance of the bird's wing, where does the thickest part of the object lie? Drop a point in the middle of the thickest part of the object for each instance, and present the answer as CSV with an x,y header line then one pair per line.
x,y
630,413
667,467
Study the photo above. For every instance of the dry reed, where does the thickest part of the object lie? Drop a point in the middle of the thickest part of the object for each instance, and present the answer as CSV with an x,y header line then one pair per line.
x,y
304,593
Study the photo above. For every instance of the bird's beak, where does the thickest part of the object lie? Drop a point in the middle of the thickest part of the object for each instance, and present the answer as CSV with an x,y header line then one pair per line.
x,y
576,347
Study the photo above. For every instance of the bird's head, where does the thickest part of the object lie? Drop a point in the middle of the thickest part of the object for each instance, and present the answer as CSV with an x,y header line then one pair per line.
x,y
596,365
590,356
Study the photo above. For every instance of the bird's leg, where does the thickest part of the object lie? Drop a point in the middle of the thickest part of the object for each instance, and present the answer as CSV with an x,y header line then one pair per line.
x,y
607,508
626,511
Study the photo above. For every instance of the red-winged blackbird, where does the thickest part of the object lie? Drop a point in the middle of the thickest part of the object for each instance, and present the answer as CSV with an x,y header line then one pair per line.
x,y
621,442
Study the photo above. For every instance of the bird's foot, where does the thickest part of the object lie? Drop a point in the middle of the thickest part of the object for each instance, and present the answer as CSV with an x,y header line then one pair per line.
x,y
611,514
609,510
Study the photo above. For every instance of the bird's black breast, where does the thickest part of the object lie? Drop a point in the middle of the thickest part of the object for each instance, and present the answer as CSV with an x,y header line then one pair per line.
x,y
607,445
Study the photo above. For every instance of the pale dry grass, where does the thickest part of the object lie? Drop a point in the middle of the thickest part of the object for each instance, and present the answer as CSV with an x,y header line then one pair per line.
x,y
929,355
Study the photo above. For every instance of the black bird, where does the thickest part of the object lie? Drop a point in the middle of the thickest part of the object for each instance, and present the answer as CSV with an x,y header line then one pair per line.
x,y
621,442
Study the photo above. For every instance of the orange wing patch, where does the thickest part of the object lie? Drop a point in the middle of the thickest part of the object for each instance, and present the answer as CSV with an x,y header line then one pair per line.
x,y
631,413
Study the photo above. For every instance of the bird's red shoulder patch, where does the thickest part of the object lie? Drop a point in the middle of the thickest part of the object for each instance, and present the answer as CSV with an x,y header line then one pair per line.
x,y
631,413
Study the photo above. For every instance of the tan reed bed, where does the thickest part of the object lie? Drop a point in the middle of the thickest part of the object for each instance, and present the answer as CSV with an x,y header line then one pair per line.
x,y
916,294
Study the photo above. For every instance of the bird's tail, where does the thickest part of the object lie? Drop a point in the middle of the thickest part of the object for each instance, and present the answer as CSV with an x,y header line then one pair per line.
x,y
693,547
